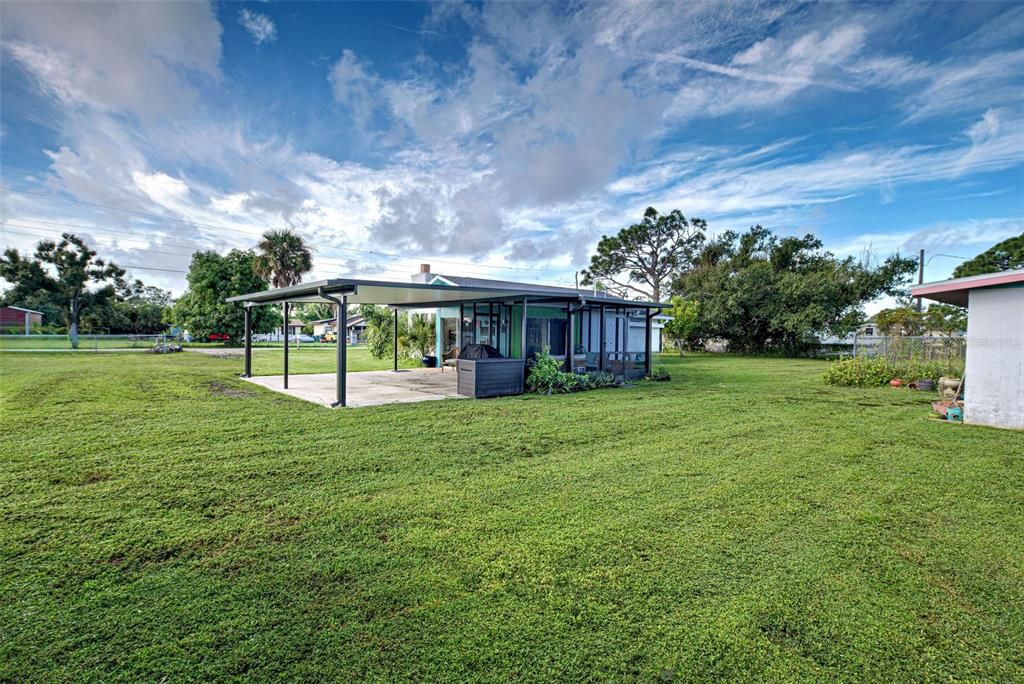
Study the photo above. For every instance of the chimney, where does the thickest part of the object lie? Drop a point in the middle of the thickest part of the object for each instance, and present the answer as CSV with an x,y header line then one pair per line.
x,y
424,276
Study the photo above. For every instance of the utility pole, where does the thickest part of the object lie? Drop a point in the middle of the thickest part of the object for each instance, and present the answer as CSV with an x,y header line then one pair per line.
x,y
920,275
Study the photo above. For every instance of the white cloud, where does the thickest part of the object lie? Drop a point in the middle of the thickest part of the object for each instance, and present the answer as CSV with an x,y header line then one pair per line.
x,y
136,57
554,128
260,27
162,189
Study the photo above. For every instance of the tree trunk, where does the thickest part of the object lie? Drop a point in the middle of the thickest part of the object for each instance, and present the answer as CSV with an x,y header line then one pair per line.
x,y
73,327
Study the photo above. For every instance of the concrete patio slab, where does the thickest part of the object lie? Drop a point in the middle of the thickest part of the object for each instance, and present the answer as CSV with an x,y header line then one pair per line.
x,y
367,388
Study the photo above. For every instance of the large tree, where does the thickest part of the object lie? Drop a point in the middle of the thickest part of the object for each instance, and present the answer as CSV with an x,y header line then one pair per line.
x,y
642,259
64,271
759,291
212,278
282,258
137,309
1005,256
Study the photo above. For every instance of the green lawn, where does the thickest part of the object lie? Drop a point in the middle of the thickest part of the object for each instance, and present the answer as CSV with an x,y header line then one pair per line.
x,y
313,360
163,520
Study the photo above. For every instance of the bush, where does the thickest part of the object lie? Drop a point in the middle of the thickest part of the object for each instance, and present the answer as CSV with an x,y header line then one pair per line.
x,y
601,379
545,377
871,372
660,374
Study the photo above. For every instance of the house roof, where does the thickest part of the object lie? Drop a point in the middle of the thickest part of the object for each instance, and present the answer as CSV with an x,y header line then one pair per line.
x,y
353,320
441,291
954,290
23,309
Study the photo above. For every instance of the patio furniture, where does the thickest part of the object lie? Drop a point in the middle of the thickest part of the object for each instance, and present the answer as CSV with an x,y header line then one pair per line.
x,y
450,359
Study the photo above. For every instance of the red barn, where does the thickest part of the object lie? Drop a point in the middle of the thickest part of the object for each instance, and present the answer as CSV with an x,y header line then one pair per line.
x,y
18,319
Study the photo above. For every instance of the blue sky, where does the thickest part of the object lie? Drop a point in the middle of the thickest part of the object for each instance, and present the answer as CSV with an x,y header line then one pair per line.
x,y
504,139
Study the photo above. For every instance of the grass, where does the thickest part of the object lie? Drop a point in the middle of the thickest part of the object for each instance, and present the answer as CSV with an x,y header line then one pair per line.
x,y
164,520
270,361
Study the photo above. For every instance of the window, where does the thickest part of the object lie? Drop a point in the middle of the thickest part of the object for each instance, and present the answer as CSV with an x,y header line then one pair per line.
x,y
541,332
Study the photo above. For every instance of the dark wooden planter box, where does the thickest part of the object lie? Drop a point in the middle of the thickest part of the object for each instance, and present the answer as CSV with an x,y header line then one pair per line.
x,y
490,377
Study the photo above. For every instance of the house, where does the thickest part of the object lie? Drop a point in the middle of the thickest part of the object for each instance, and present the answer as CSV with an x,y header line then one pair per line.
x,y
356,328
994,376
16,319
586,330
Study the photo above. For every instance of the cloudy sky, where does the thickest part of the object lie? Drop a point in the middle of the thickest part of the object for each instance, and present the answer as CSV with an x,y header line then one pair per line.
x,y
504,139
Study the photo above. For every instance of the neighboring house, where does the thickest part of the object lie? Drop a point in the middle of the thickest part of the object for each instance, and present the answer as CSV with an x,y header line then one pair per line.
x,y
356,328
294,330
994,379
16,319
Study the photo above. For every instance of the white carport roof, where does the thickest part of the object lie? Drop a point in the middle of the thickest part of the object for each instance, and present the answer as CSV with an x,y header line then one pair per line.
x,y
423,295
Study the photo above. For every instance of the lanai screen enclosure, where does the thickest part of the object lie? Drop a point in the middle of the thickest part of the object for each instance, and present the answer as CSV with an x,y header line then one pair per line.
x,y
586,329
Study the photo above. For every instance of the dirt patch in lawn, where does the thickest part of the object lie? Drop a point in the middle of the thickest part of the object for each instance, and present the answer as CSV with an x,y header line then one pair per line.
x,y
223,390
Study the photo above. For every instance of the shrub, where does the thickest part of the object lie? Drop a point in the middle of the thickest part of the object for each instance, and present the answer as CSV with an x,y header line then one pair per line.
x,y
545,377
660,374
871,372
601,379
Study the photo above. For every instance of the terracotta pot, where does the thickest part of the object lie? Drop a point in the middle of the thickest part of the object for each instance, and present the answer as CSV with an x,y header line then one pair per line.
x,y
896,382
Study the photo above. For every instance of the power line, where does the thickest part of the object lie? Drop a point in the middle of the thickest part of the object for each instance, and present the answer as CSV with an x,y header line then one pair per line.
x,y
951,256
154,268
249,234
41,233
46,232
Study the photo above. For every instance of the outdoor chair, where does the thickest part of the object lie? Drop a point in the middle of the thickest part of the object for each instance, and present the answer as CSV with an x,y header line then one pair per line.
x,y
450,359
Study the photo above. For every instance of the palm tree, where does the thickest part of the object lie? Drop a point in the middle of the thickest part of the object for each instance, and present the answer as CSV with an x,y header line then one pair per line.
x,y
282,258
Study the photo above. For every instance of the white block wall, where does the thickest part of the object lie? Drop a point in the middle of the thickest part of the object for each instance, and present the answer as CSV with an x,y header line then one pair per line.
x,y
994,393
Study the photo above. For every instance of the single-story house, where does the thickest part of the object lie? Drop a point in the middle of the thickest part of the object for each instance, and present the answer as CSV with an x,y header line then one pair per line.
x,y
994,378
584,329
356,328
18,319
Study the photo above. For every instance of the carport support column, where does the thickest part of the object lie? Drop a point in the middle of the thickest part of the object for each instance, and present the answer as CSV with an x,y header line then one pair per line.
x,y
248,342
286,345
648,329
522,332
570,338
601,354
395,369
342,365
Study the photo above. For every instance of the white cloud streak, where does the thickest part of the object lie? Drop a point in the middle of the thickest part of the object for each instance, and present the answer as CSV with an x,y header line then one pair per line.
x,y
260,27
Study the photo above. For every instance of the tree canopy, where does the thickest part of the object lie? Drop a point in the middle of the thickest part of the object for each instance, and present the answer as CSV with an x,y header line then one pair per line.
x,y
282,258
138,309
759,291
642,259
212,278
1005,256
60,273
685,317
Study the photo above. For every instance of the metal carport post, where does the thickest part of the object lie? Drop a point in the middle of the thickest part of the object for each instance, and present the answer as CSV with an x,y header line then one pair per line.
x,y
248,341
286,345
648,329
342,344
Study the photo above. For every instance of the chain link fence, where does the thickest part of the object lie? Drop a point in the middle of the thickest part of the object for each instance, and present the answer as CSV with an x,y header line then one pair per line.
x,y
86,343
948,351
